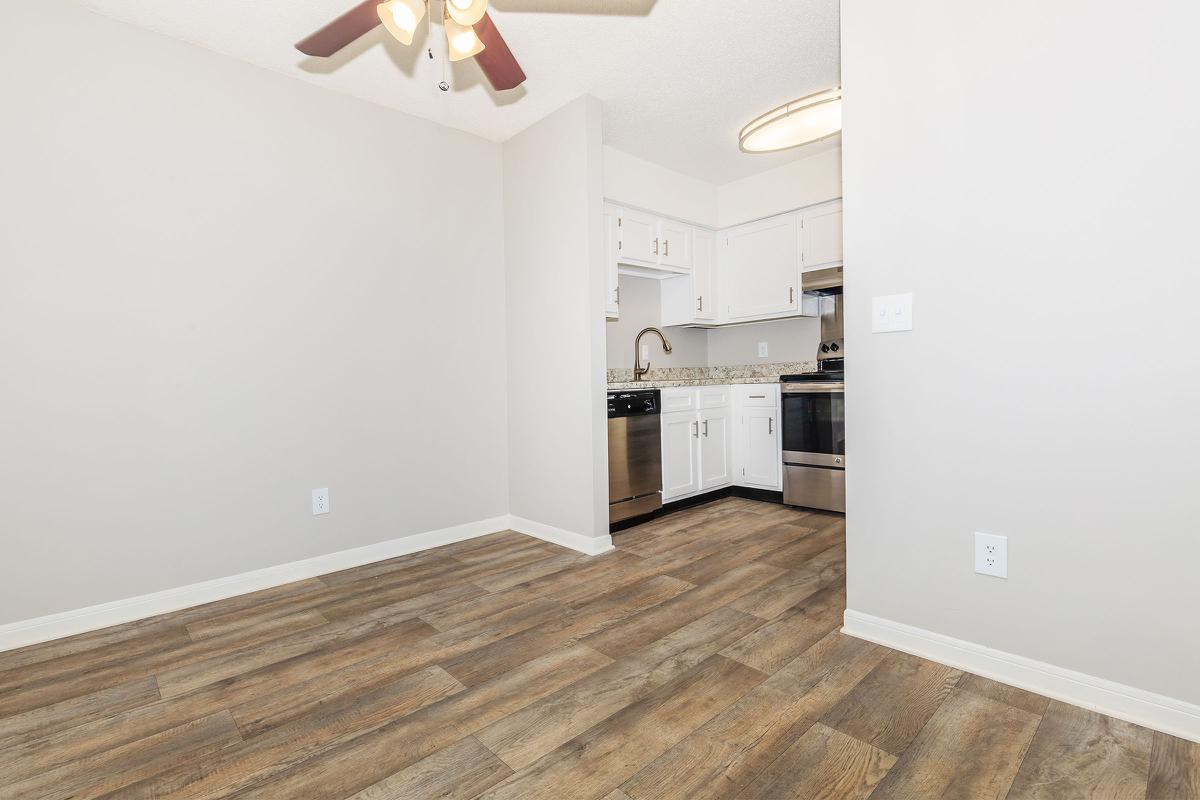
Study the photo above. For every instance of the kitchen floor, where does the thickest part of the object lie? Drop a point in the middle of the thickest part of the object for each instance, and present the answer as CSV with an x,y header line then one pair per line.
x,y
701,659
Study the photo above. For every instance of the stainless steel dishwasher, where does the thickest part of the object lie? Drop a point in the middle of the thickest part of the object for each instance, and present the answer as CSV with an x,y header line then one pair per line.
x,y
634,454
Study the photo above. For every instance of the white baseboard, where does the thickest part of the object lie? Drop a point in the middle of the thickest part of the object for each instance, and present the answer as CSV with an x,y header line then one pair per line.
x,y
82,620
1166,714
588,545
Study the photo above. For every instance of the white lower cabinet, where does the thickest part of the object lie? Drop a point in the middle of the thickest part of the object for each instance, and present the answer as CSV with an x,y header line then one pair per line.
x,y
680,455
716,451
758,444
697,444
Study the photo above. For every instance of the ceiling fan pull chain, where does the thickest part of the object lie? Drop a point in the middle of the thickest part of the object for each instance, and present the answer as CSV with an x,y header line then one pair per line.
x,y
443,84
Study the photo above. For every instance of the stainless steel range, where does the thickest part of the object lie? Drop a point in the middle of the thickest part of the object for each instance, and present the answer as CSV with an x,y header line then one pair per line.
x,y
814,410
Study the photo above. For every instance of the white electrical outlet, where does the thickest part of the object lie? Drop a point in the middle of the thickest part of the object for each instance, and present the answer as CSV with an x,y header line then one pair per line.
x,y
762,349
991,554
645,353
320,501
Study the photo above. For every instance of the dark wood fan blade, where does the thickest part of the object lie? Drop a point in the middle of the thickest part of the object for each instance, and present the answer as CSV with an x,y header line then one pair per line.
x,y
342,31
497,61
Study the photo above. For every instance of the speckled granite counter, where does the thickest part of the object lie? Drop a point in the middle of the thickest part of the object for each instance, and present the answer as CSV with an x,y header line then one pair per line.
x,y
665,377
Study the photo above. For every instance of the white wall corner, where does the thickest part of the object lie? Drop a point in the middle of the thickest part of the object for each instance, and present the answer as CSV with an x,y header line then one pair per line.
x,y
588,545
82,620
1150,710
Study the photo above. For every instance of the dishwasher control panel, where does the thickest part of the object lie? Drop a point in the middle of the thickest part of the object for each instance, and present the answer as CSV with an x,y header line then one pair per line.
x,y
632,403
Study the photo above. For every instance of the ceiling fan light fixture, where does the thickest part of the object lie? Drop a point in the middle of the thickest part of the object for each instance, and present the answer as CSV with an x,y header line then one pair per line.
x,y
463,41
466,12
804,121
401,18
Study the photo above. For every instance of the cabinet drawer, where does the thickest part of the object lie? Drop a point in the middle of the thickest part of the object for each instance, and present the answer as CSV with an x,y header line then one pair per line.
x,y
713,397
679,398
764,395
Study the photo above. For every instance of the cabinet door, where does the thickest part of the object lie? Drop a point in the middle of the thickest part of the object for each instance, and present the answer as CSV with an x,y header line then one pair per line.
x,y
822,236
676,246
704,298
716,456
762,459
611,239
680,433
639,237
761,268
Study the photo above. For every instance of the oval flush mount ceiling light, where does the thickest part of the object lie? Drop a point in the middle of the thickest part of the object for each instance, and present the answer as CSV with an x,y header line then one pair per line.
x,y
809,119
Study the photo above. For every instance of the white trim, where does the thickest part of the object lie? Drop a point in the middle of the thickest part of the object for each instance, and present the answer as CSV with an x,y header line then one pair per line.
x,y
588,545
82,620
1166,714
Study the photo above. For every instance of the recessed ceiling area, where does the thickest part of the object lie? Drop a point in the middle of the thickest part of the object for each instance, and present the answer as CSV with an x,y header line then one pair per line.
x,y
677,78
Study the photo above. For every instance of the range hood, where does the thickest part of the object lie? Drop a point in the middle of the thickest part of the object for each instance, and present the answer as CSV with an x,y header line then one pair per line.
x,y
822,281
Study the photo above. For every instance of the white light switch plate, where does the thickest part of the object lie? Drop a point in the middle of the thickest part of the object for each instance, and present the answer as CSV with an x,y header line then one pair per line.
x,y
892,312
991,555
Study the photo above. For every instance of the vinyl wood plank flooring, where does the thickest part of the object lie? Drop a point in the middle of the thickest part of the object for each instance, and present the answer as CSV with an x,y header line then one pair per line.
x,y
701,659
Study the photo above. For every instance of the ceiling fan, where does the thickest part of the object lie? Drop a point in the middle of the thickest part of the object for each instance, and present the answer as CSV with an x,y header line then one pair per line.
x,y
470,33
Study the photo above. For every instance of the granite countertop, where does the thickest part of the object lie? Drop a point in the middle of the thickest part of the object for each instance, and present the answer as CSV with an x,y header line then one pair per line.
x,y
667,377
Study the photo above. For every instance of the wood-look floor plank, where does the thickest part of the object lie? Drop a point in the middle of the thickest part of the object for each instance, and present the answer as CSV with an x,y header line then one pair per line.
x,y
45,721
523,574
775,644
827,568
1174,769
188,677
600,759
1079,754
368,759
969,750
891,705
115,769
648,626
46,685
459,772
573,622
823,763
716,564
801,551
224,773
1011,695
725,754
527,735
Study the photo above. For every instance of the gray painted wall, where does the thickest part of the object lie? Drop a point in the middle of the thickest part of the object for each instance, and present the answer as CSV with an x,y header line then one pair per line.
x,y
1038,197
220,289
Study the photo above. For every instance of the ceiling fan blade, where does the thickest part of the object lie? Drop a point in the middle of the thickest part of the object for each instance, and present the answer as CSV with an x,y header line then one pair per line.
x,y
497,61
342,31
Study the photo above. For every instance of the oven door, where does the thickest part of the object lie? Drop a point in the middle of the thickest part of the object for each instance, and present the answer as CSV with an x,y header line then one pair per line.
x,y
814,424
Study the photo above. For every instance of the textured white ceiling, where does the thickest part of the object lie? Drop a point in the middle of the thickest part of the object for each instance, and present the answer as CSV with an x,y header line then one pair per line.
x,y
678,78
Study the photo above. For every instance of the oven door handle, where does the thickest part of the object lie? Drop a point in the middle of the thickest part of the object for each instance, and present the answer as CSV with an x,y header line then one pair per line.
x,y
814,388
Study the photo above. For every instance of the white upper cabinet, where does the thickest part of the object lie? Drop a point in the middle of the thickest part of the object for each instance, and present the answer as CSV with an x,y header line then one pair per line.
x,y
611,239
675,245
760,268
704,277
821,236
638,238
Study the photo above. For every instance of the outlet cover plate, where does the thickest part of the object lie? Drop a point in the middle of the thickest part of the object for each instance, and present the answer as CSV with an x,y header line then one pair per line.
x,y
320,501
991,555
762,349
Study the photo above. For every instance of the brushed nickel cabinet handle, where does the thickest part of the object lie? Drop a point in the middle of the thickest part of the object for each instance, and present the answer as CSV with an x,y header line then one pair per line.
x,y
791,294
770,425
666,247
706,429
758,397
618,290
696,430
700,305
655,245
